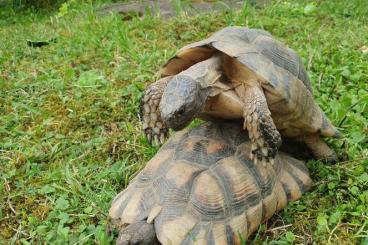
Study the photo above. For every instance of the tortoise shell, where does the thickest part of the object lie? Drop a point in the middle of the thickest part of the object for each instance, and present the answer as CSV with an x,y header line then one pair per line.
x,y
255,48
280,71
202,188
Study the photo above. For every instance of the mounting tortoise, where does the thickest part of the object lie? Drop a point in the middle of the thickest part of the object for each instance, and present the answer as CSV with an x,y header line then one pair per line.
x,y
203,188
239,73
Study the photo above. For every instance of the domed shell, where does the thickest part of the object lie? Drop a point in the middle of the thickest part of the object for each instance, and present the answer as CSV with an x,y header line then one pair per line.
x,y
202,188
255,48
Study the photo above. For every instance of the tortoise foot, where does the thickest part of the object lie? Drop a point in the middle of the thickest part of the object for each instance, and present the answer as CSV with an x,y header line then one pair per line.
x,y
331,159
320,149
156,136
153,126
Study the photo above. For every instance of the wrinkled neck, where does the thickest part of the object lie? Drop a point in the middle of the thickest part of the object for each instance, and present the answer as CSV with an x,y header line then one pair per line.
x,y
206,72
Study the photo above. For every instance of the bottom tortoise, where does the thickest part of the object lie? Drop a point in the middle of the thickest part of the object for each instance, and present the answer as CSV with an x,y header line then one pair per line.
x,y
203,188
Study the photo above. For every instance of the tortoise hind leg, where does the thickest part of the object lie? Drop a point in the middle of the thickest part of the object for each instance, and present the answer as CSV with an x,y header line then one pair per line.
x,y
265,138
319,148
152,124
139,233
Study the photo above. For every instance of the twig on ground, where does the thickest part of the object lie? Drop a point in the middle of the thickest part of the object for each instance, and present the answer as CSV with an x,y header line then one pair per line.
x,y
11,207
353,160
278,228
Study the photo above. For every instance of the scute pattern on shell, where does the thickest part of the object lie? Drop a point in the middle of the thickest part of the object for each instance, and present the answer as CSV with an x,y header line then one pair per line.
x,y
239,42
209,189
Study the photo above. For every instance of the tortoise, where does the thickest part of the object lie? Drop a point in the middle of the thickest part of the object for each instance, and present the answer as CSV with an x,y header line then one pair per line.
x,y
244,74
203,188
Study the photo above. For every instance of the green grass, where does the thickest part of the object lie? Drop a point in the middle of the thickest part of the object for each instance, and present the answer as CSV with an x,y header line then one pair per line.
x,y
70,137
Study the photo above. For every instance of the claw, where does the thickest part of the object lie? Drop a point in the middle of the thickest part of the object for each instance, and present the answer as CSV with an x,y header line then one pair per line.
x,y
254,127
251,156
145,99
249,119
260,142
272,161
264,152
259,154
256,134
149,138
245,125
156,141
162,138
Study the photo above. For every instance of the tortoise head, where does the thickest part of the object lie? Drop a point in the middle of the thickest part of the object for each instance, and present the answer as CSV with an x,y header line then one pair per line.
x,y
182,100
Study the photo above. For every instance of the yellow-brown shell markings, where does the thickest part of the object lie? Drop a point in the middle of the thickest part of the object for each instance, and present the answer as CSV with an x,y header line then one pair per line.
x,y
204,189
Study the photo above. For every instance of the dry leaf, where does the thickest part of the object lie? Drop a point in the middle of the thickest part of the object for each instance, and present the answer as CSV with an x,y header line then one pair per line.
x,y
364,49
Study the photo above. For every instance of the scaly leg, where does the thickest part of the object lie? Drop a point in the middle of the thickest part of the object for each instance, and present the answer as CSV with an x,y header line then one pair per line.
x,y
263,134
152,124
319,148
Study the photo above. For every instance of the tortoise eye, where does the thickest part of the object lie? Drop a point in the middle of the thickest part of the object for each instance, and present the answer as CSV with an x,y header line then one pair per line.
x,y
181,110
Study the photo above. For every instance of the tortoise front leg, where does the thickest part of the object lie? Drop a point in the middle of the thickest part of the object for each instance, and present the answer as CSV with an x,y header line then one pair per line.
x,y
263,134
152,124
